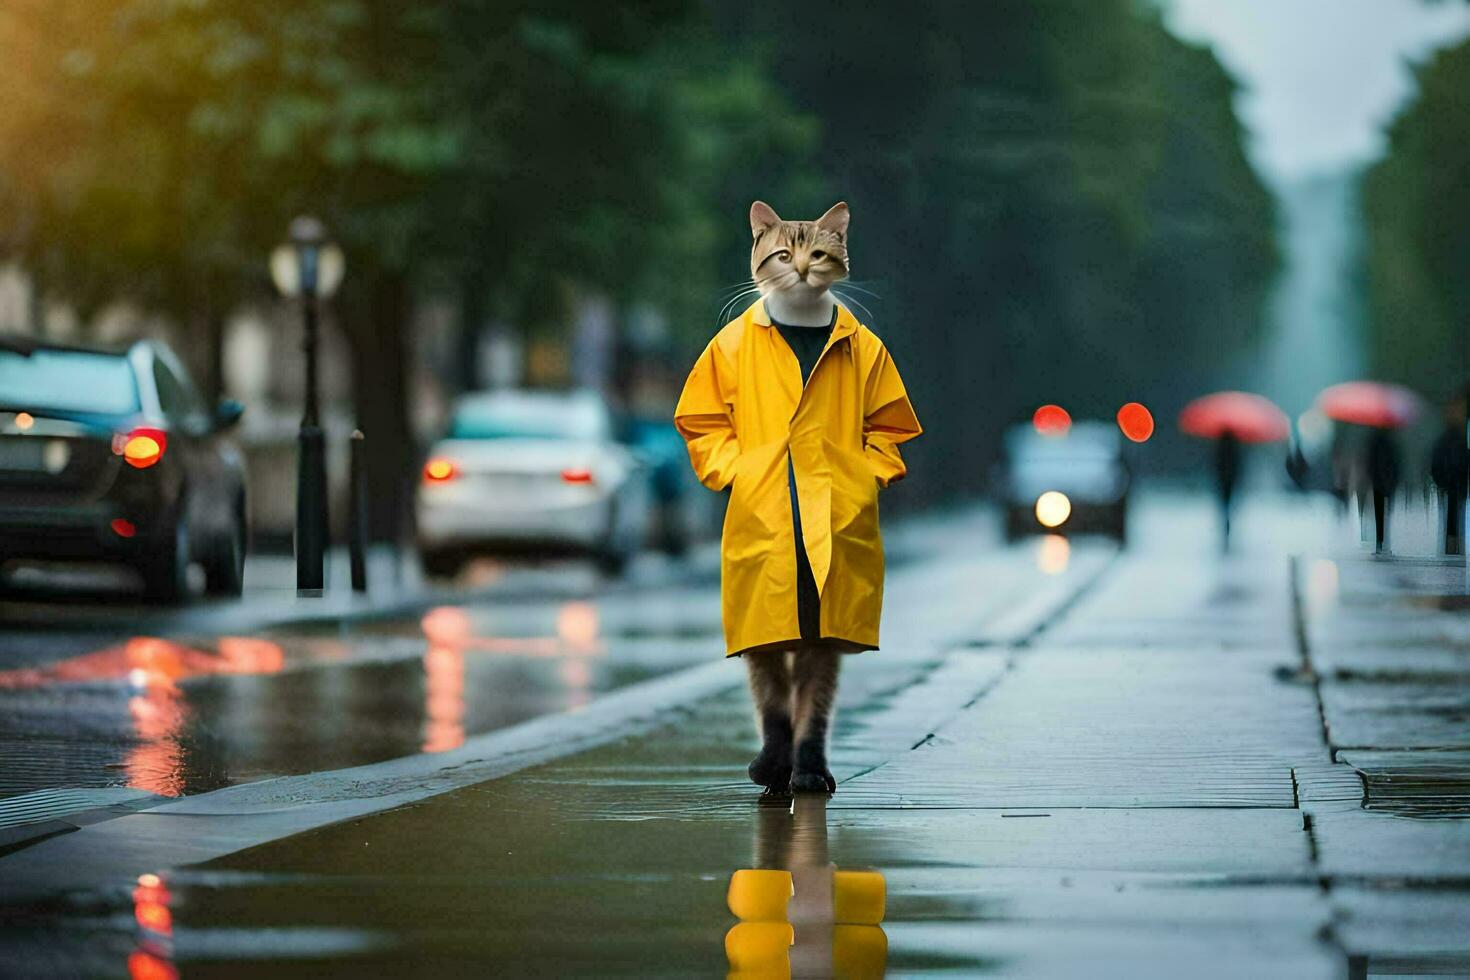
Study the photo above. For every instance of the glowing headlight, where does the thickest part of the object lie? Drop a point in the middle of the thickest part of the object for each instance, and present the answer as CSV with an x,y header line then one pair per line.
x,y
1053,508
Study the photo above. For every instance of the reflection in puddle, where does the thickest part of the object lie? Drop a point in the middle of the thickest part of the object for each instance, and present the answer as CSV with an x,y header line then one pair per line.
x,y
1053,552
152,958
443,698
577,677
155,764
799,915
576,626
149,661
451,634
1322,583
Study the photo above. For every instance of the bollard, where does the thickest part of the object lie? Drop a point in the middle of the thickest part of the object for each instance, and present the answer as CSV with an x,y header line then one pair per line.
x,y
357,512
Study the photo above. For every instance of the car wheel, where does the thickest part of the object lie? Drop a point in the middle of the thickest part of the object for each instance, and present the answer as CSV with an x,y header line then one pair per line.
x,y
441,564
224,574
166,572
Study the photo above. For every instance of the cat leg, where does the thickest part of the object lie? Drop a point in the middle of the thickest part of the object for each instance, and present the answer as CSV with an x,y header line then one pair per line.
x,y
770,689
814,692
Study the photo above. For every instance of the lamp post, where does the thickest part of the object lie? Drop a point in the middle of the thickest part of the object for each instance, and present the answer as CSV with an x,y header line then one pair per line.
x,y
309,267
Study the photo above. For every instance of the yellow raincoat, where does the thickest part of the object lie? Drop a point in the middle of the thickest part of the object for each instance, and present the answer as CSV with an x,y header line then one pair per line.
x,y
743,409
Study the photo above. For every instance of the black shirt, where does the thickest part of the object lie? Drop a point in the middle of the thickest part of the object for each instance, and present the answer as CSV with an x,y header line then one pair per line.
x,y
807,343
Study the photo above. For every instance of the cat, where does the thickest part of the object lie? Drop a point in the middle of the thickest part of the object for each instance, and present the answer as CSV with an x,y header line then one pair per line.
x,y
794,264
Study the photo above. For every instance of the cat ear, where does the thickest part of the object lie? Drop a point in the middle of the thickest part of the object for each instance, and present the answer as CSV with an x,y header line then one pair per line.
x,y
762,216
835,219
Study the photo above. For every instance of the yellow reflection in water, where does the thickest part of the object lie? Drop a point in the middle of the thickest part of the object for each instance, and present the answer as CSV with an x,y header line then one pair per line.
x,y
1053,552
800,916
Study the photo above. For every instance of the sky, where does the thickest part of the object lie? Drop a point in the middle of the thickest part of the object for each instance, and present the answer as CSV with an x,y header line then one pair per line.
x,y
1321,77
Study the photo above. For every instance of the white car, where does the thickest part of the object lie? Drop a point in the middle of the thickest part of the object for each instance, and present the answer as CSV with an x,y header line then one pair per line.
x,y
531,472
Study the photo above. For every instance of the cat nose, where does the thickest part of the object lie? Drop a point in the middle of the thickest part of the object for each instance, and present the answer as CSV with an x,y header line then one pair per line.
x,y
802,265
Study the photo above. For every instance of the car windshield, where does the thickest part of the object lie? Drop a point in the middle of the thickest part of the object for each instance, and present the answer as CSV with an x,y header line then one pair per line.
x,y
523,416
74,382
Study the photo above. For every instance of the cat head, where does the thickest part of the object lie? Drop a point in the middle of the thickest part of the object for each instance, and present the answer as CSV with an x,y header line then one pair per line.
x,y
797,256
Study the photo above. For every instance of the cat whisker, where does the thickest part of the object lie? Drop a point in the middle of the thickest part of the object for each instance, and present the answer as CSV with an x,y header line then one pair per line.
x,y
849,284
853,301
730,304
737,287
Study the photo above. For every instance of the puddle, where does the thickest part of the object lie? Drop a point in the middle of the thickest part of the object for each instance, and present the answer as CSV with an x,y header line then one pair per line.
x,y
175,717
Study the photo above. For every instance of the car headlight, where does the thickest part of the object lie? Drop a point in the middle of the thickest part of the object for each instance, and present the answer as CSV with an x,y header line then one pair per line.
x,y
1053,508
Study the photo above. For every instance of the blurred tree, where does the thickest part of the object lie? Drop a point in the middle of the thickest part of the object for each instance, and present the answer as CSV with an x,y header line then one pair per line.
x,y
516,153
1054,194
1416,202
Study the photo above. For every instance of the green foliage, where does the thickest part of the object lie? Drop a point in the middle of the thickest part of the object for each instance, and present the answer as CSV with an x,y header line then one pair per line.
x,y
1053,195
1416,203
161,146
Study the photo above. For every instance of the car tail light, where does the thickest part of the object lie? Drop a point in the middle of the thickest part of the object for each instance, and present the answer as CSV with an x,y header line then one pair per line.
x,y
1051,420
123,527
1136,421
576,474
141,448
440,470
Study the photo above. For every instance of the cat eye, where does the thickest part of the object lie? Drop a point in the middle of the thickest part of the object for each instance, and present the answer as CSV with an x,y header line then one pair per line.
x,y
819,255
784,255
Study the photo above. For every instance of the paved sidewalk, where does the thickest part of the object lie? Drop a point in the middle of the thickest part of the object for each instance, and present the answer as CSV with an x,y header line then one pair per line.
x,y
1163,778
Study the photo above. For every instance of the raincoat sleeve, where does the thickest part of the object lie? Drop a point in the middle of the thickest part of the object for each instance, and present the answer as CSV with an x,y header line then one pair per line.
x,y
705,418
888,419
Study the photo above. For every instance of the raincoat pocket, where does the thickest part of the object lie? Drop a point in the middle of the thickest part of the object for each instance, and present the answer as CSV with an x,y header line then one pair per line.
x,y
854,491
760,504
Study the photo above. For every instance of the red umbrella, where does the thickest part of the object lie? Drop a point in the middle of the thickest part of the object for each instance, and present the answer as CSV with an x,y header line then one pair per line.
x,y
1248,417
1374,403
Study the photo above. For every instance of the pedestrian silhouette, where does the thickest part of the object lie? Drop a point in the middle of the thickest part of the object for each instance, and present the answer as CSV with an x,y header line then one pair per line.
x,y
1383,479
1227,472
1449,467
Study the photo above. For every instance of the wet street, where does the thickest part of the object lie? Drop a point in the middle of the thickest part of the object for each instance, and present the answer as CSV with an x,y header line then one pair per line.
x,y
1066,760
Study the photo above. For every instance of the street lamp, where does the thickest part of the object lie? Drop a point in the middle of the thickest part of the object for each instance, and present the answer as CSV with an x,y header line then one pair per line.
x,y
309,267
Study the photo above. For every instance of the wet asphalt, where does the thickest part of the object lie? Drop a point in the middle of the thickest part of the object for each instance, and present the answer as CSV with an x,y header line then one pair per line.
x,y
1063,762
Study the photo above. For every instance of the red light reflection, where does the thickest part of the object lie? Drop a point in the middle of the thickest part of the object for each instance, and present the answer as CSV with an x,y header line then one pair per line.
x,y
150,961
150,661
143,965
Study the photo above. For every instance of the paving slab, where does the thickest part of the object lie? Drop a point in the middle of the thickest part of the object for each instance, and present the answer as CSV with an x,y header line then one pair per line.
x,y
1365,843
1375,715
1417,930
1126,728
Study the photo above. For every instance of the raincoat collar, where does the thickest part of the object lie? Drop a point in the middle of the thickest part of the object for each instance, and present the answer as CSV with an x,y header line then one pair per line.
x,y
846,325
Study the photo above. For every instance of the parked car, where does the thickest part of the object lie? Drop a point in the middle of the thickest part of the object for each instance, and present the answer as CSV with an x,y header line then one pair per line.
x,y
1072,480
115,457
531,471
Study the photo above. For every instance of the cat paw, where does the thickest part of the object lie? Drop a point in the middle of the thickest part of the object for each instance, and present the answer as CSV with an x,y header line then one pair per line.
x,y
813,781
770,771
